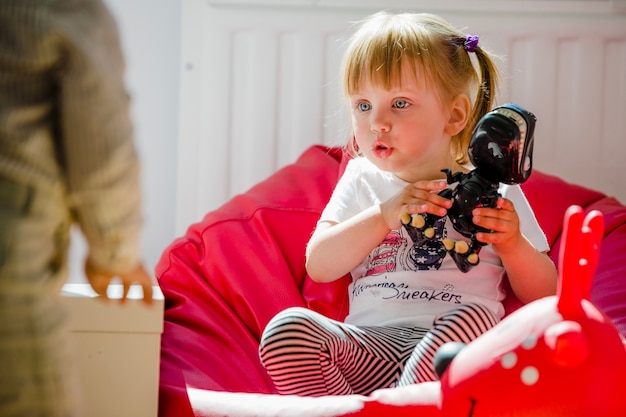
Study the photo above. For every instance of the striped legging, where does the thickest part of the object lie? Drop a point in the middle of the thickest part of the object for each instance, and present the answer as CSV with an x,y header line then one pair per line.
x,y
306,353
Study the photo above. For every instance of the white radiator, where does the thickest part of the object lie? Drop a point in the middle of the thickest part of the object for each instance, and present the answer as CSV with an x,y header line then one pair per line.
x,y
259,85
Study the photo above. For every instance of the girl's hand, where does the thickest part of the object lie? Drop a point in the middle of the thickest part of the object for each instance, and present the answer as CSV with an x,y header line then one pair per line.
x,y
532,274
503,222
418,197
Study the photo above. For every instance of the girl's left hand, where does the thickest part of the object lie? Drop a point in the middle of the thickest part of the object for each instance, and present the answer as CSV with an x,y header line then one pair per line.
x,y
503,222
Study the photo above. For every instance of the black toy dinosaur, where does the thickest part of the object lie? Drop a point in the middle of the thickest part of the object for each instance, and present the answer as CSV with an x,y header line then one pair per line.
x,y
501,151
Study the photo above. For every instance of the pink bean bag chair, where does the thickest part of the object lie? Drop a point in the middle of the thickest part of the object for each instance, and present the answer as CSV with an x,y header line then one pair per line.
x,y
244,262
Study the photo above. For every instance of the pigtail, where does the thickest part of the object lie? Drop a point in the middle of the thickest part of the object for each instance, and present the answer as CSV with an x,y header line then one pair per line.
x,y
483,101
485,95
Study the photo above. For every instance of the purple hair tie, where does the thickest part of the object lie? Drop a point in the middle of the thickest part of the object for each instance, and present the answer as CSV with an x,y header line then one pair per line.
x,y
471,43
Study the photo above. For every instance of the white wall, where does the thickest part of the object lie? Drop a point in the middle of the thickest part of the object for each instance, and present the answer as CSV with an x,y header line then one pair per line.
x,y
260,85
178,52
150,32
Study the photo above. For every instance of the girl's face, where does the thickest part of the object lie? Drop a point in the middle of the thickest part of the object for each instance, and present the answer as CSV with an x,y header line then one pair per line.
x,y
404,130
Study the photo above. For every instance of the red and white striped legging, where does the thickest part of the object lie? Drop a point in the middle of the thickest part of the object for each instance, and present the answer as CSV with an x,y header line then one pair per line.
x,y
306,353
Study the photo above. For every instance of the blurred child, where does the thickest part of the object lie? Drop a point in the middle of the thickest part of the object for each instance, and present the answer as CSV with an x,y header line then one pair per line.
x,y
66,155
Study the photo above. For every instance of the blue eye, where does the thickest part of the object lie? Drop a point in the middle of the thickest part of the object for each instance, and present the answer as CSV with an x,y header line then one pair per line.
x,y
364,106
401,104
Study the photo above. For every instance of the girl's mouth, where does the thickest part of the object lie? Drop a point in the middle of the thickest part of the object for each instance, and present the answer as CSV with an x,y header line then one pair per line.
x,y
381,150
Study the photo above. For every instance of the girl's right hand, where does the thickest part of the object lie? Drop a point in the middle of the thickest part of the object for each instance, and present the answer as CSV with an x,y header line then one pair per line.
x,y
419,197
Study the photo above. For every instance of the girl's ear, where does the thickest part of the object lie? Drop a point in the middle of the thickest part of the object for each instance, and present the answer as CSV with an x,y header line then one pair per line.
x,y
460,109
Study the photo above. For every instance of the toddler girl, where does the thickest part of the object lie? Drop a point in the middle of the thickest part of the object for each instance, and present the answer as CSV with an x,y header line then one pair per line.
x,y
414,98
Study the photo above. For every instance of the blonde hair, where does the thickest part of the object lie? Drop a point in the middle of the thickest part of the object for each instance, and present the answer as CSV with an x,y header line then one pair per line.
x,y
384,41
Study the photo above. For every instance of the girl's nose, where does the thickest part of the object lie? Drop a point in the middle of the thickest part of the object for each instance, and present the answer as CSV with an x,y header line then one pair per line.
x,y
380,123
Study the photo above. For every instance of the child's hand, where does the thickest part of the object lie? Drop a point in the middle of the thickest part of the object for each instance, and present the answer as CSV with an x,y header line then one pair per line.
x,y
419,197
503,221
100,280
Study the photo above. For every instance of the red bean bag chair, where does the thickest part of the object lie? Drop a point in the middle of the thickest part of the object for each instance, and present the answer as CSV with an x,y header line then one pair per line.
x,y
244,262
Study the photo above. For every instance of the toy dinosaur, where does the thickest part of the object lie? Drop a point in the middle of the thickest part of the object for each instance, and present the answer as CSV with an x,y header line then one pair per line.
x,y
501,151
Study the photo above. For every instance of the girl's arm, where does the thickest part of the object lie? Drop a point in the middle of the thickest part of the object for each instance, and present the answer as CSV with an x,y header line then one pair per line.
x,y
531,273
335,249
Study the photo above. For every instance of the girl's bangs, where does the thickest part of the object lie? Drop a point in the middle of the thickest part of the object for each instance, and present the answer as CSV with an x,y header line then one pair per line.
x,y
379,64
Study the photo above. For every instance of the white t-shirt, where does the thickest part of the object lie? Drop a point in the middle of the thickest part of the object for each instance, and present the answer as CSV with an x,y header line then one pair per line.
x,y
400,284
